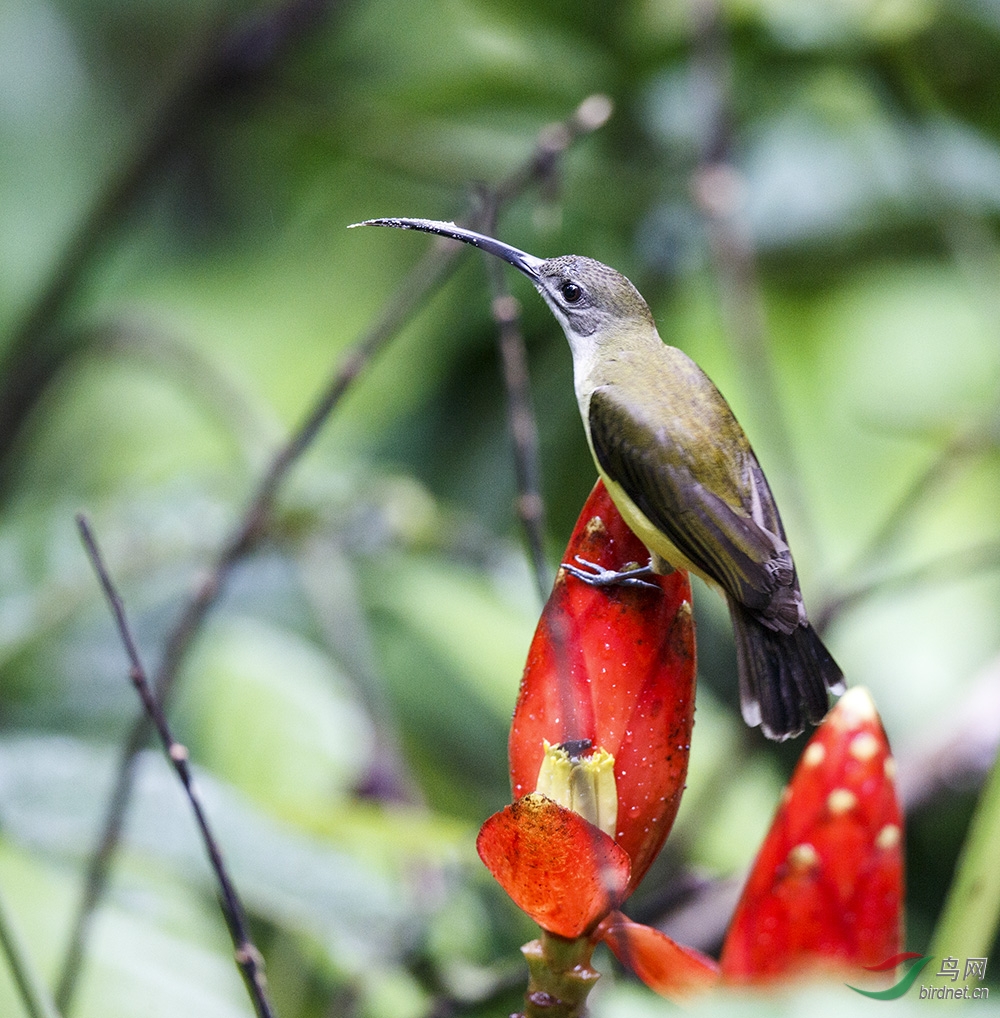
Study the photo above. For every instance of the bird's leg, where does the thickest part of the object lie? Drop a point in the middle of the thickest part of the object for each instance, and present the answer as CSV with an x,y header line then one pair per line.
x,y
598,576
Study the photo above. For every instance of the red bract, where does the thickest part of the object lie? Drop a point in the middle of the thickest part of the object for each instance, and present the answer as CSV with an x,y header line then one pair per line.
x,y
826,889
669,968
561,870
615,667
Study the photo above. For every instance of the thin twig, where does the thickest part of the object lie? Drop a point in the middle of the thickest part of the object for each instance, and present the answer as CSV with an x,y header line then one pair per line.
x,y
245,536
248,958
431,270
34,993
506,310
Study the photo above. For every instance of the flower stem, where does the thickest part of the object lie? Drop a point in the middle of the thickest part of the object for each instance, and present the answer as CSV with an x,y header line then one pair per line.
x,y
560,976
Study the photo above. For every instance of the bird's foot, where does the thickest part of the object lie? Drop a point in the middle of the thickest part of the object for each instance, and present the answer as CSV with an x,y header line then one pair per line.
x,y
597,576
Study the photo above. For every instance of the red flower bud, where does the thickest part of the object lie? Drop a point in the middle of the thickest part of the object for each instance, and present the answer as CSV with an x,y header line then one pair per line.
x,y
826,889
613,668
607,703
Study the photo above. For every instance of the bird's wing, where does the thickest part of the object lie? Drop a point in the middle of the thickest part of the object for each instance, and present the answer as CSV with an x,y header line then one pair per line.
x,y
735,538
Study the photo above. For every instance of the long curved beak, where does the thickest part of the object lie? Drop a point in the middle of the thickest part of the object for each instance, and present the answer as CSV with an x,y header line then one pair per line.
x,y
526,263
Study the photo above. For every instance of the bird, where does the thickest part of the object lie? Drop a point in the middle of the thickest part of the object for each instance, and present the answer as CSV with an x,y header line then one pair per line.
x,y
682,473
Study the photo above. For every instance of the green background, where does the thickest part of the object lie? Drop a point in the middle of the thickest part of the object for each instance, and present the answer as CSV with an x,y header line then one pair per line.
x,y
176,283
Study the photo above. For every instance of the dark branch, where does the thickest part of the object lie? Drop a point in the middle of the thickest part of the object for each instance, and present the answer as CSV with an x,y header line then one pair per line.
x,y
591,114
248,958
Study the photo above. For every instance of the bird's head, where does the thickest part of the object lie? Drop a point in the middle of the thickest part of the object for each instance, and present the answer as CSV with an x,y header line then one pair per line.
x,y
589,298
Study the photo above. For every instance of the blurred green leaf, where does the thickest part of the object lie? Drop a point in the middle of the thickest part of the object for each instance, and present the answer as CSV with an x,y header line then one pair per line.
x,y
295,739
158,951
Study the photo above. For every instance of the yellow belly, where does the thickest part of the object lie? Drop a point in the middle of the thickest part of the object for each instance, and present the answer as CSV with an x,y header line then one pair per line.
x,y
660,546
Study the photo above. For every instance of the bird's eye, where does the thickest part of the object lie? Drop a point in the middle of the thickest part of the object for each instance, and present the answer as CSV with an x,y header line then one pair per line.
x,y
571,292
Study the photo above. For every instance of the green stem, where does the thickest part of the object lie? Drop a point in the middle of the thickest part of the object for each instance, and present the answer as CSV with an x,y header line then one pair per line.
x,y
560,976
968,923
37,1000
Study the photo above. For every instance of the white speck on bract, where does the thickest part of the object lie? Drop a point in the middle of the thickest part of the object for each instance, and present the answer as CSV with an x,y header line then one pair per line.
x,y
840,801
803,857
888,837
863,746
814,755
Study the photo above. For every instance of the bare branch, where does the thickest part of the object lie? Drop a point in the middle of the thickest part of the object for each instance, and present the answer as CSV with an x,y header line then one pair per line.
x,y
248,958
592,113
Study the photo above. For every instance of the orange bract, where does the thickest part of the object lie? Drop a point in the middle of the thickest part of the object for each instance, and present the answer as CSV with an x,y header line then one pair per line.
x,y
669,968
561,870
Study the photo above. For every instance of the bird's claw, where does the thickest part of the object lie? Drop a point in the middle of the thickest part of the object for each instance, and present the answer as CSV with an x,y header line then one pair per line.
x,y
595,575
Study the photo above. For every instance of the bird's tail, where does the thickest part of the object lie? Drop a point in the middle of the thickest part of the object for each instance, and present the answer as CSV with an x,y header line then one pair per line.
x,y
784,678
